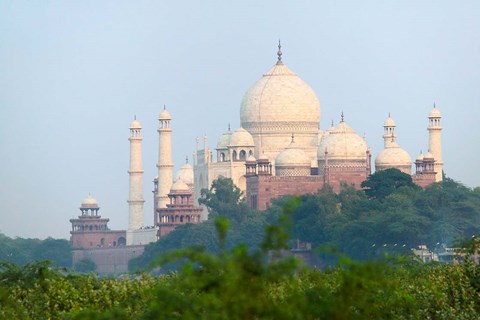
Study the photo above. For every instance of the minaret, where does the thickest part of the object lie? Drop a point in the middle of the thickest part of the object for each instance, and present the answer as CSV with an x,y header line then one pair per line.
x,y
435,141
389,136
164,165
135,197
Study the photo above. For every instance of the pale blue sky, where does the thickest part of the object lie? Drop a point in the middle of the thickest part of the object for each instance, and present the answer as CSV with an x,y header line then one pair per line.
x,y
74,73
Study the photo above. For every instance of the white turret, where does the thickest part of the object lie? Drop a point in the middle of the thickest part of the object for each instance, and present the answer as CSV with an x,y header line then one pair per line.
x,y
392,156
164,165
135,197
435,141
389,136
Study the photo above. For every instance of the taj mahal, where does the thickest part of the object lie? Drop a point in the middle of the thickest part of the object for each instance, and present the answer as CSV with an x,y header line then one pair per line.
x,y
278,150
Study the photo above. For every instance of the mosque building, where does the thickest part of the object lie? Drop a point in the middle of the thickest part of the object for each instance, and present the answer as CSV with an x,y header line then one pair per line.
x,y
278,150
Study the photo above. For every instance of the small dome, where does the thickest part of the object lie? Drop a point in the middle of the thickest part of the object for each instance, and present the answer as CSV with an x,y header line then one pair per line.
x,y
135,125
342,143
429,155
251,158
292,156
164,115
89,202
179,185
435,113
224,140
420,157
241,138
389,122
185,174
393,157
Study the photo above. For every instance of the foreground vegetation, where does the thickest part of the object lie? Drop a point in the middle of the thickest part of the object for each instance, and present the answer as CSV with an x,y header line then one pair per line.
x,y
238,284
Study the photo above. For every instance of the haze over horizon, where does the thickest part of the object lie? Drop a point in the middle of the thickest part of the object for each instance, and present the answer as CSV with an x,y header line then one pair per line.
x,y
74,74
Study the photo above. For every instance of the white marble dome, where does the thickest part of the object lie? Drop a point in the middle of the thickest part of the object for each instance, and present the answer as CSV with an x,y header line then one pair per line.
x,y
279,96
429,155
435,113
389,122
292,161
164,115
394,157
179,185
224,140
89,202
278,104
241,138
185,174
342,143
135,125
292,156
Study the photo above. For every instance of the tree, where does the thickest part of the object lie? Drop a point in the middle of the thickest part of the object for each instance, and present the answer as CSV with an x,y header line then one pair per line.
x,y
384,182
224,198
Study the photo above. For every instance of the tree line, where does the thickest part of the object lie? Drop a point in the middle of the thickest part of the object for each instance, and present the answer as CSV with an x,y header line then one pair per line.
x,y
389,215
21,251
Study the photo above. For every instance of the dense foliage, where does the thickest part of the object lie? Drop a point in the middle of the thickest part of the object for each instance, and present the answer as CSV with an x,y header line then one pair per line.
x,y
240,284
391,215
21,251
223,199
381,219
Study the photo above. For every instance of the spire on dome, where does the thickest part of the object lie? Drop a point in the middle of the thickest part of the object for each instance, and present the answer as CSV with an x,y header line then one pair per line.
x,y
342,117
186,159
279,53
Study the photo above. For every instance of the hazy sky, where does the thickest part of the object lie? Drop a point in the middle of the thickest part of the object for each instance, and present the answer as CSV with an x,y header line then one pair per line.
x,y
74,73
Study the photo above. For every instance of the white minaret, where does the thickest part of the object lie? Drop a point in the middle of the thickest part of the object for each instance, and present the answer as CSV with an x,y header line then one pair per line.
x,y
435,141
135,196
164,165
389,136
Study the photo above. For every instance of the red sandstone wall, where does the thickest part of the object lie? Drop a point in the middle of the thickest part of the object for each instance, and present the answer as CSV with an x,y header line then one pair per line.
x,y
93,239
109,261
423,180
267,188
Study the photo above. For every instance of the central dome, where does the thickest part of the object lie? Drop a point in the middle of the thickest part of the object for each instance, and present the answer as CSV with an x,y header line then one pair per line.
x,y
277,105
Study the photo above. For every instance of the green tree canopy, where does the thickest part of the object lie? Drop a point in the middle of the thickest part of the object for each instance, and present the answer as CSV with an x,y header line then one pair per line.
x,y
224,198
384,182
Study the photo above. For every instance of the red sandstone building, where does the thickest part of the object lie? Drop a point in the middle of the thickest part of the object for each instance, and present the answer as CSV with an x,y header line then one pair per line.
x,y
90,230
180,210
92,239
